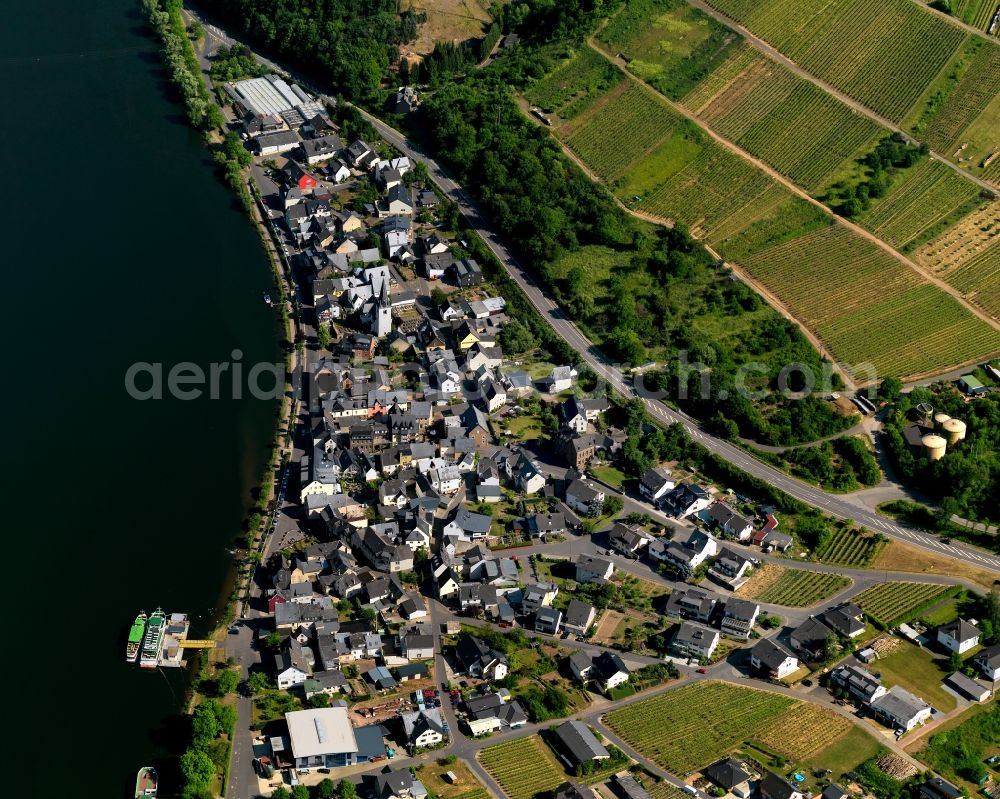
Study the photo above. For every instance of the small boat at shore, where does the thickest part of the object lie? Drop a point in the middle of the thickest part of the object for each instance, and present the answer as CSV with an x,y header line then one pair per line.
x,y
145,782
267,299
135,635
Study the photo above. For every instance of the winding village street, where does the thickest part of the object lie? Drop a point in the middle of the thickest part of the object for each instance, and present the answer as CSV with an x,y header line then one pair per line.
x,y
242,644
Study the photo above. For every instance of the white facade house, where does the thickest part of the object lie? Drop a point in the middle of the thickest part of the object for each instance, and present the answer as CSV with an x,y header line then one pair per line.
x,y
773,659
901,709
958,636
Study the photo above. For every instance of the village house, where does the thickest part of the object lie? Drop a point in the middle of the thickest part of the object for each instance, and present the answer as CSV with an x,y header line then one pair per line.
x,y
695,640
776,787
739,617
685,499
771,659
988,661
478,660
729,522
537,596
578,743
899,708
958,636
629,540
593,570
584,497
731,776
548,620
579,617
691,603
685,556
655,483
389,784
423,728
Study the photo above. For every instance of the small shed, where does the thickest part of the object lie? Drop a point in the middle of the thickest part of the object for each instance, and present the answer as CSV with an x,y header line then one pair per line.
x,y
971,385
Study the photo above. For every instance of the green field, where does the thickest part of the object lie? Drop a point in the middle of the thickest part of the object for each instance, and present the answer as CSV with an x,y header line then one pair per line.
x,y
845,287
849,547
881,54
979,279
575,85
686,729
928,198
892,602
960,113
959,747
920,671
833,280
621,130
523,767
668,43
792,588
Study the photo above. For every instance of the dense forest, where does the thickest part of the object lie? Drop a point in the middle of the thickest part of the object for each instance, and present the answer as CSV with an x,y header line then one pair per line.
x,y
966,481
348,45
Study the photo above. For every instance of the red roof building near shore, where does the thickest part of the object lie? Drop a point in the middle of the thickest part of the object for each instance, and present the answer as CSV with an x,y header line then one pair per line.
x,y
297,176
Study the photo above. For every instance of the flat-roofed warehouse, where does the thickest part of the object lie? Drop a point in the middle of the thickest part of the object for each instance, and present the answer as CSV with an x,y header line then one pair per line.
x,y
270,96
323,738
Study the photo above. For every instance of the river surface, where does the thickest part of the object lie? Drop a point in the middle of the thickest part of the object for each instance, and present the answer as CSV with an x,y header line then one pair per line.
x,y
120,246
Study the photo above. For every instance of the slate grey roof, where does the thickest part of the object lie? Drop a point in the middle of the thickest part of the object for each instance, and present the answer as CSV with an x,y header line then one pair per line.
x,y
578,613
727,773
960,630
775,787
580,742
770,653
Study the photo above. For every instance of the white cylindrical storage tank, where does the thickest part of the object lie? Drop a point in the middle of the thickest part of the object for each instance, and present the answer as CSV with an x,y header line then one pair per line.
x,y
935,446
955,428
940,419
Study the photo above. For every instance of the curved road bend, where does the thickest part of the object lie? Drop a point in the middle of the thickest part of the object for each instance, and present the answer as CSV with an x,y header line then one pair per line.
x,y
834,504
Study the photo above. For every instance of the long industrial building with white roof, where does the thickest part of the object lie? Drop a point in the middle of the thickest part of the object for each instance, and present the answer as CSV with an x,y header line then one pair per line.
x,y
273,96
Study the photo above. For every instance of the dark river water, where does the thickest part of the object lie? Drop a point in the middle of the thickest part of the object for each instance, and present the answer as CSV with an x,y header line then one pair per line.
x,y
121,246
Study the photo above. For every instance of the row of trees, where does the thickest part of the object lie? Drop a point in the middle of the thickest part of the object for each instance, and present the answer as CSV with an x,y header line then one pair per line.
x,y
208,753
164,16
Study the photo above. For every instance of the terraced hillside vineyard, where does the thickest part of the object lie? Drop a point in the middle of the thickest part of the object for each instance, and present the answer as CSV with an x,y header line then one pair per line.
x,y
576,84
902,61
834,280
927,198
761,105
883,54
